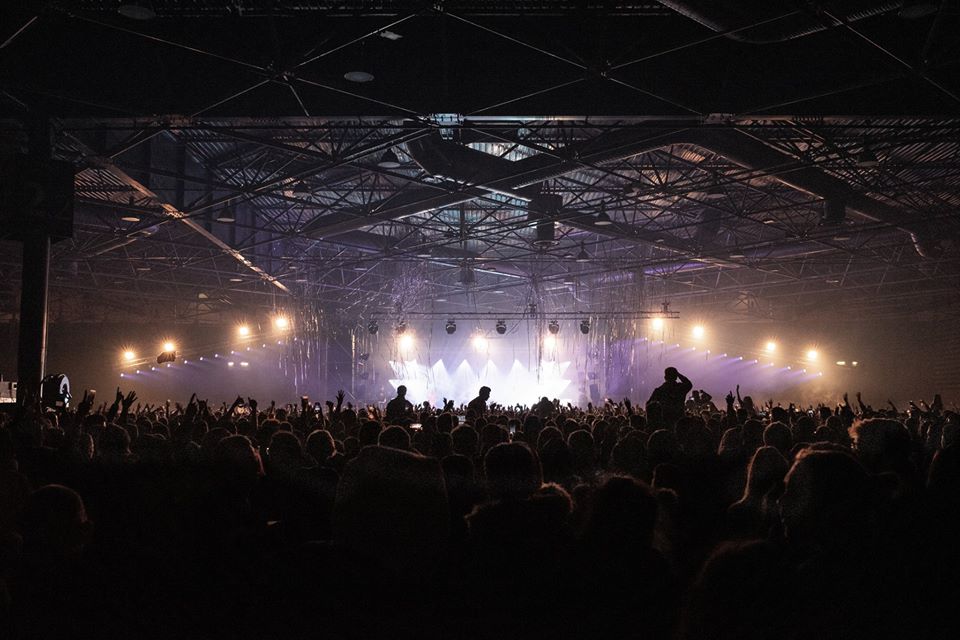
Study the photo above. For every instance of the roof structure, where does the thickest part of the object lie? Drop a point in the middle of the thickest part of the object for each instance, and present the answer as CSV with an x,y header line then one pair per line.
x,y
732,157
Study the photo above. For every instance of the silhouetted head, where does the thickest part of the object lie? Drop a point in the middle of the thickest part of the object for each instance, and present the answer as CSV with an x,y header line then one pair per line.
x,y
238,461
484,393
402,390
55,522
743,592
882,444
623,515
670,374
466,442
369,433
765,473
778,435
395,437
320,445
512,471
828,498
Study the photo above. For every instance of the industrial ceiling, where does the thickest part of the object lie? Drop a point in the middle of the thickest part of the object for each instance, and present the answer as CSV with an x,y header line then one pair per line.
x,y
745,159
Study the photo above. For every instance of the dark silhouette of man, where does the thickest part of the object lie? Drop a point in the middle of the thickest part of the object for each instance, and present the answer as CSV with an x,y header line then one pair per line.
x,y
478,406
671,395
399,408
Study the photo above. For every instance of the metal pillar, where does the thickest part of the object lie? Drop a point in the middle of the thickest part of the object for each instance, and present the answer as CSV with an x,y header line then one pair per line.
x,y
32,346
32,350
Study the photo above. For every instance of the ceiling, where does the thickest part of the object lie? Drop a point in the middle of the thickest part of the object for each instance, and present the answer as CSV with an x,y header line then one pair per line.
x,y
754,162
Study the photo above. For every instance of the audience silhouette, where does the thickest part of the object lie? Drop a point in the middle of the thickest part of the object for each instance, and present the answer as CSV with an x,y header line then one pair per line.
x,y
677,520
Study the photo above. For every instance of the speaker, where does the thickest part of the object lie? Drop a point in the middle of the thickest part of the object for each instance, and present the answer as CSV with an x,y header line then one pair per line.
x,y
36,195
595,394
55,391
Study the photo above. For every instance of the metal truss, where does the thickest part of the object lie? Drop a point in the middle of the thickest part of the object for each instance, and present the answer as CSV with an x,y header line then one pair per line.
x,y
307,215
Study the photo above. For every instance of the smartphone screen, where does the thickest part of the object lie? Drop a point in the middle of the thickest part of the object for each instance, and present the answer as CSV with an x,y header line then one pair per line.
x,y
416,426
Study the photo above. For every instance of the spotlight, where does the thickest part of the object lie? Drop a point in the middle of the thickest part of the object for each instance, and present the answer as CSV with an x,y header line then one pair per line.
x,y
358,76
405,341
243,331
389,160
554,327
657,323
244,364
401,327
129,355
549,342
230,364
281,323
584,327
602,219
812,354
373,327
771,346
699,331
169,347
451,326
854,363
841,363
479,342
501,327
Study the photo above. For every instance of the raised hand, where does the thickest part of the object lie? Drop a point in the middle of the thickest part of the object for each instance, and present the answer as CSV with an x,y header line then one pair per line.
x,y
119,398
129,400
84,407
252,403
340,396
730,397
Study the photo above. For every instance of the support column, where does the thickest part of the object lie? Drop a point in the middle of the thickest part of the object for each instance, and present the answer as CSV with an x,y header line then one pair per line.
x,y
32,348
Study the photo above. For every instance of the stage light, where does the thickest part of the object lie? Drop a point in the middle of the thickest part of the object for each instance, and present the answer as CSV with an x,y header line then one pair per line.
x,y
373,327
854,363
451,326
389,160
812,354
479,342
281,323
771,346
169,347
584,327
501,327
243,331
230,364
841,363
657,324
554,327
699,331
129,355
405,341
549,341
602,219
401,328
244,364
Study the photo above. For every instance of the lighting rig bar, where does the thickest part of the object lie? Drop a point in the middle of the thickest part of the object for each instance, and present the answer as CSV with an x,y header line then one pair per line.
x,y
493,315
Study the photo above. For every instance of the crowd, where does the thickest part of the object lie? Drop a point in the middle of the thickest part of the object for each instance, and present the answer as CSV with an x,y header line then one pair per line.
x,y
675,519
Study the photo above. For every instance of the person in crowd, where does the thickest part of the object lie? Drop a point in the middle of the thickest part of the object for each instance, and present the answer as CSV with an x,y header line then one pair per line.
x,y
399,409
477,408
274,521
671,395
